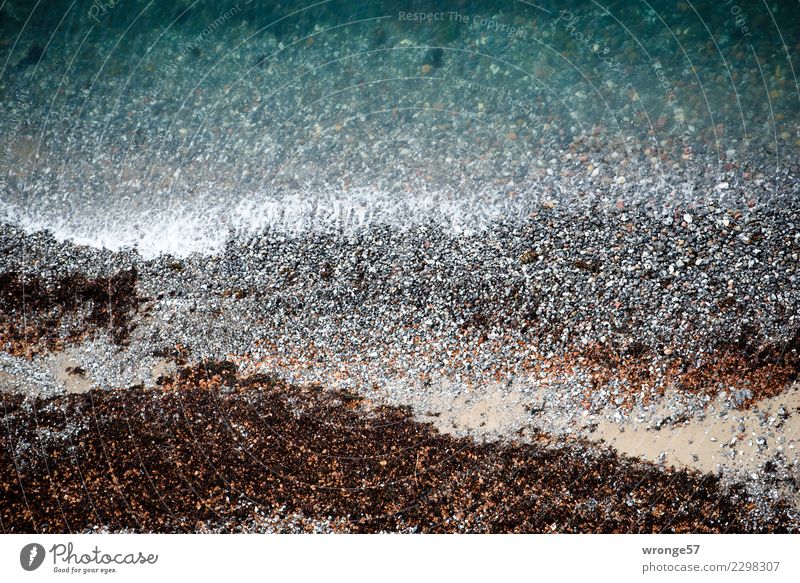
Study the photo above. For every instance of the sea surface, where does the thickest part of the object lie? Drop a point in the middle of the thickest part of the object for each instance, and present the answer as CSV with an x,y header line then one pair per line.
x,y
166,127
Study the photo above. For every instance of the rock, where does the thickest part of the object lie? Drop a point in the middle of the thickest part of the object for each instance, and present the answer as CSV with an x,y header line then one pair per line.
x,y
528,257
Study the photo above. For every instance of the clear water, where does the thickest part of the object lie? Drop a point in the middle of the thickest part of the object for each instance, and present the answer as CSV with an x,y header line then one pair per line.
x,y
167,126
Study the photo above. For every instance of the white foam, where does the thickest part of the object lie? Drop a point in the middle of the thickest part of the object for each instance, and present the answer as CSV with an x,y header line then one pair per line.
x,y
203,227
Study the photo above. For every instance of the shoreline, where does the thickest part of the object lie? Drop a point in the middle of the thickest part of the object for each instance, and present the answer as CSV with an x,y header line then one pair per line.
x,y
450,346
223,453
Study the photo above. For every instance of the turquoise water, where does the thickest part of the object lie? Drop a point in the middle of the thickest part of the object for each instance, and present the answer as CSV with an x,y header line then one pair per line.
x,y
135,123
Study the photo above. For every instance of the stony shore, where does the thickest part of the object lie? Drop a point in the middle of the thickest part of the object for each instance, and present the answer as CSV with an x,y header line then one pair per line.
x,y
332,269
567,333
209,451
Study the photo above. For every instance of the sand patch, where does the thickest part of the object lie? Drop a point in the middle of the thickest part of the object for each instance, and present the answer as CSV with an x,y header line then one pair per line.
x,y
729,439
489,413
68,371
716,439
9,382
162,368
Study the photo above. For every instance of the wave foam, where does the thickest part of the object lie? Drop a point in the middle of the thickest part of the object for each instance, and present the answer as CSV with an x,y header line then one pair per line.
x,y
196,227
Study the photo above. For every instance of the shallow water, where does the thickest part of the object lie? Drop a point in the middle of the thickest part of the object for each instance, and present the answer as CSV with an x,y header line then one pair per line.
x,y
166,127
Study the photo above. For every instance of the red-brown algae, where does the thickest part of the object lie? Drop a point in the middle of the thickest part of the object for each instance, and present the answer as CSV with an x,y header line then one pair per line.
x,y
209,447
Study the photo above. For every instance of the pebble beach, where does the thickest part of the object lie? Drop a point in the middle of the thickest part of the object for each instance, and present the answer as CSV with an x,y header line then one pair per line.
x,y
271,269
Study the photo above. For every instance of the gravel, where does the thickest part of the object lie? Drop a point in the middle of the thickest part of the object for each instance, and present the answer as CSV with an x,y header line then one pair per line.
x,y
506,258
